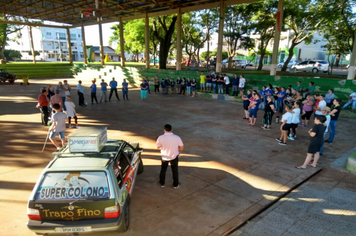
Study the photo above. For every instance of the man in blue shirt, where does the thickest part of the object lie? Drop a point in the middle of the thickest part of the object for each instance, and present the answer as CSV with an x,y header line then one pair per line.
x,y
281,95
113,87
125,90
93,92
104,90
80,92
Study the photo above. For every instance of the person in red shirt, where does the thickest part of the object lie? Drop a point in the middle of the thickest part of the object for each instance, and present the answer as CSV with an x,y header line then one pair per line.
x,y
43,106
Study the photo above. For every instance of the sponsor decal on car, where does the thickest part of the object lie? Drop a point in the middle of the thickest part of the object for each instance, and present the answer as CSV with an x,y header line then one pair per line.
x,y
73,185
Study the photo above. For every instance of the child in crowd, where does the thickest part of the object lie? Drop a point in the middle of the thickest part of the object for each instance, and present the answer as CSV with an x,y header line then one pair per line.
x,y
246,103
316,140
71,112
253,108
194,87
286,125
308,104
58,126
269,111
295,121
173,84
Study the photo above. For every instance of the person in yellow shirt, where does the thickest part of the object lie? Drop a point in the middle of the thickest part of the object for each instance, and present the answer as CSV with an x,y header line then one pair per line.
x,y
202,82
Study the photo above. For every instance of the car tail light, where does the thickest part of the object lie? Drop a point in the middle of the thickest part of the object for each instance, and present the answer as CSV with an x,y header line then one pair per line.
x,y
33,214
319,65
112,212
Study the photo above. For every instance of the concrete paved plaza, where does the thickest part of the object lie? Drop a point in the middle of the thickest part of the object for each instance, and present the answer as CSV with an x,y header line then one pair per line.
x,y
229,170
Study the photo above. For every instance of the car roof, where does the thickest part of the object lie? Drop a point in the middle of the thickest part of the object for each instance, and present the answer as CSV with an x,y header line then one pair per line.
x,y
67,161
78,163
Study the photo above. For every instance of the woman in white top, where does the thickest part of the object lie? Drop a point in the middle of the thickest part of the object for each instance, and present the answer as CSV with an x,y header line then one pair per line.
x,y
286,125
71,112
295,120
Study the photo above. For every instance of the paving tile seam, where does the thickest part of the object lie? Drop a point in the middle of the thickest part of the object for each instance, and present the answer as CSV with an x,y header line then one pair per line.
x,y
276,201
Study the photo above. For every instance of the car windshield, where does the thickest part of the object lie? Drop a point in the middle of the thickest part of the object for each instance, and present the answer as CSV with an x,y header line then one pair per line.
x,y
73,185
322,62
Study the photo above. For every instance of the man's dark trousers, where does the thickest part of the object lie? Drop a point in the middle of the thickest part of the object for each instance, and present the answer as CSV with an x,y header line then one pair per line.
x,y
174,167
111,91
44,115
81,99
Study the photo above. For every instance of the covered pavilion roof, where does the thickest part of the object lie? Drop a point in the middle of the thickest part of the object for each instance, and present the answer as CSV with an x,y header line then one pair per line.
x,y
75,13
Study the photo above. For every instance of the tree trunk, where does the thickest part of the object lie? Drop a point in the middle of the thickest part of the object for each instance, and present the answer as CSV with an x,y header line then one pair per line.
x,y
284,68
198,58
165,44
3,43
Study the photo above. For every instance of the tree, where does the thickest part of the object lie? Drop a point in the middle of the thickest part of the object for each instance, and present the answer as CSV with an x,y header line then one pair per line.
x,y
339,28
163,29
37,53
15,55
237,28
303,18
12,55
6,30
263,22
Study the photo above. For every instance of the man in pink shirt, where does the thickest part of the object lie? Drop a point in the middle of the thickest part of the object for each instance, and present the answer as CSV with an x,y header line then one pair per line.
x,y
171,146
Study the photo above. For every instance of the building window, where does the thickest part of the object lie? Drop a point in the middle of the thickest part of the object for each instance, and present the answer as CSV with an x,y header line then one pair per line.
x,y
61,36
49,43
73,37
48,33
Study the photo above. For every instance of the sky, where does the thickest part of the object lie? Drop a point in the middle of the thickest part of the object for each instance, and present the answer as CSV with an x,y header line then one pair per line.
x,y
92,34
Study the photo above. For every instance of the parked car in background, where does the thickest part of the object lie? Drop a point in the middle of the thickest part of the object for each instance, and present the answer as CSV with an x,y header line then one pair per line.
x,y
290,63
236,63
312,66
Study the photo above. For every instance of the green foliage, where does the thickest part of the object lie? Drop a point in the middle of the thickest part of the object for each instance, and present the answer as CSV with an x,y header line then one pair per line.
x,y
12,55
36,53
6,30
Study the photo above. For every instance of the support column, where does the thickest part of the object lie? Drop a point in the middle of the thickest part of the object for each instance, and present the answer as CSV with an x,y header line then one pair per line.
x,y
179,40
32,47
351,73
101,43
277,35
220,37
69,46
84,46
122,50
147,42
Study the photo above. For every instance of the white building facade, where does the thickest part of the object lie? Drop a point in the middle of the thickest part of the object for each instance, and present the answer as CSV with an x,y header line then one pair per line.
x,y
51,43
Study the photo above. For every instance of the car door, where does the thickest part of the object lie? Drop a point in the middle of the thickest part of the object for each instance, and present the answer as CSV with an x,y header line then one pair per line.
x,y
301,66
129,161
310,66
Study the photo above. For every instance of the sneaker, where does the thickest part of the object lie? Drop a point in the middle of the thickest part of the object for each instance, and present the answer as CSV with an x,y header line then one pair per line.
x,y
58,148
77,127
294,136
278,140
290,138
161,185
267,128
281,143
263,127
176,187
